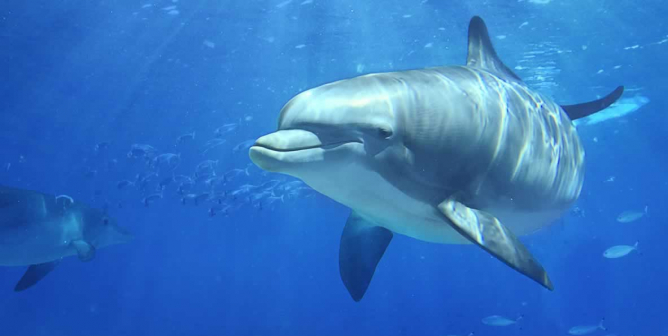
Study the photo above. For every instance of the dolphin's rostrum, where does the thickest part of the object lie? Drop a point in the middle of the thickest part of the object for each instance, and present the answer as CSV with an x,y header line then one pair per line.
x,y
38,230
449,155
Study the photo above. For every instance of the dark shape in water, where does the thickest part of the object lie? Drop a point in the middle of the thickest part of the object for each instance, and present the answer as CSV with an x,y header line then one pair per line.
x,y
75,229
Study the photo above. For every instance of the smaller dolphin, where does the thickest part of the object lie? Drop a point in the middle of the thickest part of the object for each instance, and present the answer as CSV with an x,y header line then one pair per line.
x,y
38,230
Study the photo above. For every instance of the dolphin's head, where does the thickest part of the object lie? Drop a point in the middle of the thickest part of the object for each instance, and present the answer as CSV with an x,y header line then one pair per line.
x,y
330,135
100,230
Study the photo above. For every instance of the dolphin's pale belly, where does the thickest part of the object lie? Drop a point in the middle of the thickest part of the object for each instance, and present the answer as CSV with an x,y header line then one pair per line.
x,y
391,208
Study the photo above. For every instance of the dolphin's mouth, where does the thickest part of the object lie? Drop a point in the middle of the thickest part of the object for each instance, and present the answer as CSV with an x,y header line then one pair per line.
x,y
284,150
296,149
296,140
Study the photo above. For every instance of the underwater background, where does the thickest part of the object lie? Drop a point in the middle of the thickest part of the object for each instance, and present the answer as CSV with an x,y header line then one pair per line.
x,y
82,81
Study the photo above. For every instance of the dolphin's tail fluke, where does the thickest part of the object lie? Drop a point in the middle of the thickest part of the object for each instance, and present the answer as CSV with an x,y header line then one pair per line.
x,y
578,111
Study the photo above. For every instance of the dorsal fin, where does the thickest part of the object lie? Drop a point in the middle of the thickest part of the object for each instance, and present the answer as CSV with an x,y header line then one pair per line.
x,y
481,53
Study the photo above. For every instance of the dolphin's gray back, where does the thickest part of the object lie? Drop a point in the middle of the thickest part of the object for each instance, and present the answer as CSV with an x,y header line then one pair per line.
x,y
20,206
536,159
489,139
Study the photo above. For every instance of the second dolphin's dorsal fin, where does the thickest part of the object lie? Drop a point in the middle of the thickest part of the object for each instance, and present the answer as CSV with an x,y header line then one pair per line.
x,y
481,53
583,110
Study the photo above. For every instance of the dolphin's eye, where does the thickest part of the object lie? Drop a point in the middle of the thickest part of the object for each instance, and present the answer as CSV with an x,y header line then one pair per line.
x,y
384,132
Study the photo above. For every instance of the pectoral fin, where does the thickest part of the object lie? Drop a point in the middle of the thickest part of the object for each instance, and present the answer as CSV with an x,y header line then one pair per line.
x,y
485,230
35,273
362,245
85,250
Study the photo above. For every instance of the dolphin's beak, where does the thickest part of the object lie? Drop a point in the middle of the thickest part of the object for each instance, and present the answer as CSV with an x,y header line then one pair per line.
x,y
289,140
282,150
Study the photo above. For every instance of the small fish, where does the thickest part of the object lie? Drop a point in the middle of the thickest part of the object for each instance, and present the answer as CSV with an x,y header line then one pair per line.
x,y
123,184
578,212
214,181
271,199
584,330
141,151
144,177
206,165
299,191
269,184
220,131
499,321
170,160
218,197
185,186
283,4
236,193
619,251
212,211
234,173
245,145
202,197
255,197
188,197
246,188
211,144
204,176
101,146
185,137
631,215
216,209
151,198
165,182
183,179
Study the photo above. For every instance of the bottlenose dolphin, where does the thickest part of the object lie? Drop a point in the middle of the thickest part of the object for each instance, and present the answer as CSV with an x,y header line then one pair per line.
x,y
448,155
38,230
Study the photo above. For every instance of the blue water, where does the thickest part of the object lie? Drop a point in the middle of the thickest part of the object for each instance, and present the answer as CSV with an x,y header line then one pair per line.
x,y
78,73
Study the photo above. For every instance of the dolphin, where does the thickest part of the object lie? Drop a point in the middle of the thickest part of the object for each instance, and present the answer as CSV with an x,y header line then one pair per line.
x,y
450,155
38,230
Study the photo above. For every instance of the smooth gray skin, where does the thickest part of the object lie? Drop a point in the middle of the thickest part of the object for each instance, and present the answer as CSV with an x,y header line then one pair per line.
x,y
436,153
37,228
455,130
